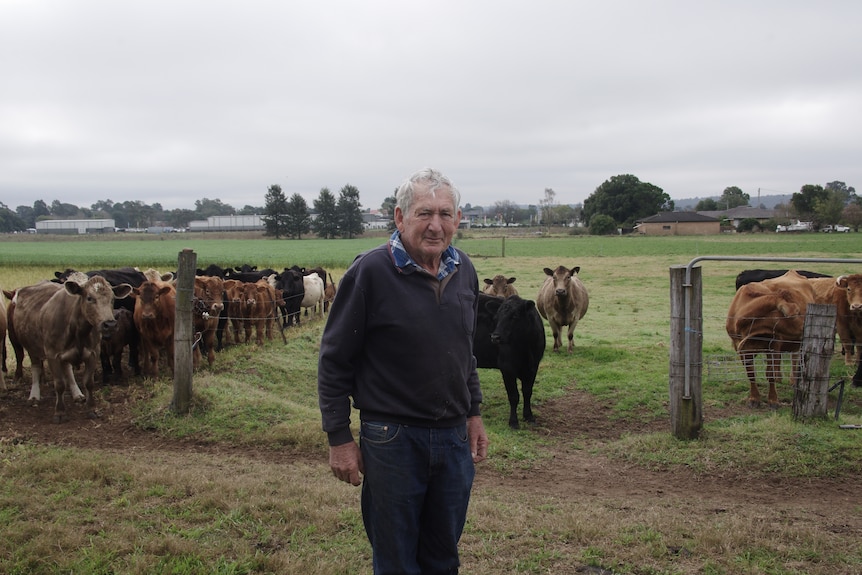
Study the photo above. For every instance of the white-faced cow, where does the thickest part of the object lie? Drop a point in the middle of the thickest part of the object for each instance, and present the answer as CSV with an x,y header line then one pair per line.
x,y
63,325
563,300
510,336
768,317
499,286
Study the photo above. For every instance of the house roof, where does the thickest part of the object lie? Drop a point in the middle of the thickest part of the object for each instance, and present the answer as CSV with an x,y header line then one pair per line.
x,y
741,213
677,217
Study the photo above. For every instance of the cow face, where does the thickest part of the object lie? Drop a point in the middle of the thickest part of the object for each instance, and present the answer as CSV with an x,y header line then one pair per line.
x,y
852,284
96,302
562,278
209,291
149,296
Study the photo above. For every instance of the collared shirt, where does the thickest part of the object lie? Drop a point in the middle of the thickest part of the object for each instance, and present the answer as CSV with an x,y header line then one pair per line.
x,y
448,262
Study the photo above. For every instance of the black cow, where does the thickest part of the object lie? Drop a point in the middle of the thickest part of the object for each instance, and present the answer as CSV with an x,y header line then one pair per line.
x,y
510,336
112,347
751,276
212,270
290,283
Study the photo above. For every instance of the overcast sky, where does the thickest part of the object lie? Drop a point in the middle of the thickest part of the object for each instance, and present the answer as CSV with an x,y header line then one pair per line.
x,y
175,101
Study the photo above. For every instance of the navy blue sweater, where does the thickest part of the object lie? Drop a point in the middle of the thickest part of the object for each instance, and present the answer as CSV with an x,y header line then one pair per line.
x,y
399,342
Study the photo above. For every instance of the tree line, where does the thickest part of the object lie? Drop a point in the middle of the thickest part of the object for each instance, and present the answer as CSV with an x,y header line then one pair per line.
x,y
618,202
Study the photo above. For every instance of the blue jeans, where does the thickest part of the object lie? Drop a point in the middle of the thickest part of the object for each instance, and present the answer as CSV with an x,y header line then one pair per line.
x,y
415,494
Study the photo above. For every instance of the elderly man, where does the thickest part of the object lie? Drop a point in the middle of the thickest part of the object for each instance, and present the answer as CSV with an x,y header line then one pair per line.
x,y
399,342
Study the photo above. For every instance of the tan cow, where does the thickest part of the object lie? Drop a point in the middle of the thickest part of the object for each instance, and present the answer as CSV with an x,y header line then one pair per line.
x,y
63,324
563,300
499,286
768,317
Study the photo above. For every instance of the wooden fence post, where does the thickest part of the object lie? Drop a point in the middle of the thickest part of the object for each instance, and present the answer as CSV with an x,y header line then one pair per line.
x,y
811,390
184,332
686,352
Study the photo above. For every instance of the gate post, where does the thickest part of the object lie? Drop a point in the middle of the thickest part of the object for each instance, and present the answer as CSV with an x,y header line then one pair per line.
x,y
686,352
184,332
811,388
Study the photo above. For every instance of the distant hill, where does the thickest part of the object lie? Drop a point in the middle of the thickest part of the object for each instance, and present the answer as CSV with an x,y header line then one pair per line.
x,y
768,202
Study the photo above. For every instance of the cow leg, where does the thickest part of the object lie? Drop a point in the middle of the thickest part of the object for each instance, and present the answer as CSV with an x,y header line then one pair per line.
x,y
773,376
555,330
753,391
571,347
134,351
37,371
527,390
511,384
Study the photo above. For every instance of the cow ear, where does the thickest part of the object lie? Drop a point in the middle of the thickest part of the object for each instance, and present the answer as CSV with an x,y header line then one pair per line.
x,y
487,281
549,271
576,270
509,281
72,288
122,291
493,305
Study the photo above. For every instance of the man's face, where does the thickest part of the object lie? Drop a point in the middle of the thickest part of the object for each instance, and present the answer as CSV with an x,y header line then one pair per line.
x,y
428,229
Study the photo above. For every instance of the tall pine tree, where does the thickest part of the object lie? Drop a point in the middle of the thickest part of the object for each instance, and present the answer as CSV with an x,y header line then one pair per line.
x,y
275,212
298,221
349,214
326,223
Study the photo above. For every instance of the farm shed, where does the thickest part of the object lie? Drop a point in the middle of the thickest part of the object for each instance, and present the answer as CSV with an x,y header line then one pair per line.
x,y
93,226
678,224
252,223
739,213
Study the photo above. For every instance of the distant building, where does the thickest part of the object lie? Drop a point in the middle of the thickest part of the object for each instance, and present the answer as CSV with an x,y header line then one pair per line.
x,y
71,227
739,213
678,224
252,223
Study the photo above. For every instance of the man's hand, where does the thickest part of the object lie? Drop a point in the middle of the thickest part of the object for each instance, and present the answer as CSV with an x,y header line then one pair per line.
x,y
345,460
478,438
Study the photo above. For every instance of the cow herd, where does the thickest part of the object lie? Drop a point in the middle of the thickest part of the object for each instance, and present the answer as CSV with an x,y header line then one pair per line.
x,y
81,319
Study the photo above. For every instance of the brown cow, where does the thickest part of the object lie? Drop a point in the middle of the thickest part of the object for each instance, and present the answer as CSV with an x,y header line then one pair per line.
x,y
499,286
842,292
329,293
563,300
206,314
3,343
155,318
257,309
63,325
768,317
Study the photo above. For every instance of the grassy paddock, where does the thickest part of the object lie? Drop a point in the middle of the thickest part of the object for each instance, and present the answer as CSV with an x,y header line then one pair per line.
x,y
112,512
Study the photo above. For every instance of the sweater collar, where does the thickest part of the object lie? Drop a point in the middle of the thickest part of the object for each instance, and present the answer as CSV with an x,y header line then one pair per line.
x,y
448,262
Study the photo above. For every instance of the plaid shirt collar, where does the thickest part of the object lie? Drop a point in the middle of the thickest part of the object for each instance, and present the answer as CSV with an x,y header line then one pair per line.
x,y
448,262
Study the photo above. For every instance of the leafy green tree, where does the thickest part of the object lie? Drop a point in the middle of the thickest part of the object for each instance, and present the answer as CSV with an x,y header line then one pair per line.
x,y
298,220
387,208
326,223
349,214
602,225
507,211
206,207
805,201
178,218
626,199
40,209
733,197
748,225
828,210
706,205
62,210
10,221
852,216
275,212
27,215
